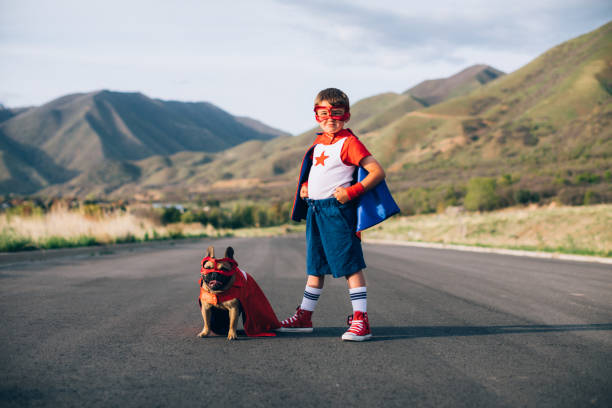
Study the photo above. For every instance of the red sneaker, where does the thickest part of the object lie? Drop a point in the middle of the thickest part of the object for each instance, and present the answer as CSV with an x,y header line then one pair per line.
x,y
360,327
300,322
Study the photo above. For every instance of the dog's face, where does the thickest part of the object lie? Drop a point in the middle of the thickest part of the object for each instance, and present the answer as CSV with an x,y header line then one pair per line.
x,y
217,272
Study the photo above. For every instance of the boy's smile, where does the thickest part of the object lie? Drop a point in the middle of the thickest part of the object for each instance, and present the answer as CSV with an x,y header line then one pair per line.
x,y
329,125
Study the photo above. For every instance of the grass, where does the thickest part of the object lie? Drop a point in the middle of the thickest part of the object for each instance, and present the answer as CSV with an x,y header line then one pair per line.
x,y
67,229
269,231
583,230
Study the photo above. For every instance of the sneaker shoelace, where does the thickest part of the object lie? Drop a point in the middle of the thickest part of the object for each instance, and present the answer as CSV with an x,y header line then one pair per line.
x,y
293,319
290,320
357,326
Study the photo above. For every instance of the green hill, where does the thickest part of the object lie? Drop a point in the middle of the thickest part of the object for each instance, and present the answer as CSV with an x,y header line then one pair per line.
x,y
539,133
544,129
375,112
271,166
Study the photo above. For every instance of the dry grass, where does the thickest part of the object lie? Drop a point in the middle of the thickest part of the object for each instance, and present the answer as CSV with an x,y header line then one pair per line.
x,y
267,231
581,230
73,228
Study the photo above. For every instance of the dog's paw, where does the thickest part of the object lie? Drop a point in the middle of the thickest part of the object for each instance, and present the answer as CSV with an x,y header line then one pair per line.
x,y
203,333
232,335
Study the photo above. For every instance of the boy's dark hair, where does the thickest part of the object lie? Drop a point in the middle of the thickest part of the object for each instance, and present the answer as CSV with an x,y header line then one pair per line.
x,y
334,96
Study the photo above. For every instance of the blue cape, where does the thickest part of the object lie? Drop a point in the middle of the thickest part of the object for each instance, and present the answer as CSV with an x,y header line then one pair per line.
x,y
374,206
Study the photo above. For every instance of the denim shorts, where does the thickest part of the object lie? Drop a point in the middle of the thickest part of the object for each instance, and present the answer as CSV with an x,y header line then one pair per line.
x,y
332,247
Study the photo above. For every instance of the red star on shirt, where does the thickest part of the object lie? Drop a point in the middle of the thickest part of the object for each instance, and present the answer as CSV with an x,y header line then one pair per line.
x,y
321,159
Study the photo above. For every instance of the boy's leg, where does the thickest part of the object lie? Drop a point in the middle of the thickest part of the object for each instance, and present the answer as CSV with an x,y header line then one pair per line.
x,y
315,281
360,326
356,280
358,292
314,287
301,321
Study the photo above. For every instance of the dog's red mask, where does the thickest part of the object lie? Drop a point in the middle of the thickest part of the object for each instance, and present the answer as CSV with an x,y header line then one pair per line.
x,y
216,266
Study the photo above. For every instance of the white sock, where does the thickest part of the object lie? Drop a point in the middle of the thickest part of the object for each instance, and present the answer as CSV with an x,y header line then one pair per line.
x,y
359,299
311,296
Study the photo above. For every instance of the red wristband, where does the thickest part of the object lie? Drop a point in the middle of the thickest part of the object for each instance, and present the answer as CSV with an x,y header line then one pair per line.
x,y
355,190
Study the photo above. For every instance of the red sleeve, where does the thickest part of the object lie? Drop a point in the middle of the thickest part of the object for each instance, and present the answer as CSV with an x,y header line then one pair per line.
x,y
353,151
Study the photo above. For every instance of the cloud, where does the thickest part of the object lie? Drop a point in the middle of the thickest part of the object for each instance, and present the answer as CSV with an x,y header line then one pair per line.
x,y
515,25
245,56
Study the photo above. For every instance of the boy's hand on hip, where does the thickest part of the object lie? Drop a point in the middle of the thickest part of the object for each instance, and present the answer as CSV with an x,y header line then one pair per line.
x,y
304,191
341,195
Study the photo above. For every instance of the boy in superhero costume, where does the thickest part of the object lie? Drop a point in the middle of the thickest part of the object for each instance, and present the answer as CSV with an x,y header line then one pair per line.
x,y
341,191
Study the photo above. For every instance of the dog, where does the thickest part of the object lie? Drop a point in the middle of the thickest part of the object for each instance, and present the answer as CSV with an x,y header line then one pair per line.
x,y
227,292
218,276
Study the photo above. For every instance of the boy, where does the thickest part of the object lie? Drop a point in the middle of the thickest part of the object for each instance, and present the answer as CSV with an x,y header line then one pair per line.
x,y
330,191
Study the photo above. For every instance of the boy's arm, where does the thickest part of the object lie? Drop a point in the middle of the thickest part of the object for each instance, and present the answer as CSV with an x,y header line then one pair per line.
x,y
375,170
376,174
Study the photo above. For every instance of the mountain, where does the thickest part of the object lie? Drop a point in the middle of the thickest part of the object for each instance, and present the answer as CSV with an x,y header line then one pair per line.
x,y
85,133
7,113
255,165
377,111
434,91
269,162
542,131
260,127
545,128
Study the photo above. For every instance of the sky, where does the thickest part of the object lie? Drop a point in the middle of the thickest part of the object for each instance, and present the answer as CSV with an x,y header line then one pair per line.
x,y
267,59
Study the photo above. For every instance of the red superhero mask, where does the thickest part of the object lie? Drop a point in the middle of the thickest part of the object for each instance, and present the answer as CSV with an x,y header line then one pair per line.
x,y
216,263
331,112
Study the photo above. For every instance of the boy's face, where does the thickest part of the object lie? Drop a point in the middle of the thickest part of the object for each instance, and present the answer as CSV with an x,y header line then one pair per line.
x,y
326,122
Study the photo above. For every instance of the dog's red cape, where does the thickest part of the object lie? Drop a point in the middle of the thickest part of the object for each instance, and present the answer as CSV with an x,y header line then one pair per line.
x,y
258,317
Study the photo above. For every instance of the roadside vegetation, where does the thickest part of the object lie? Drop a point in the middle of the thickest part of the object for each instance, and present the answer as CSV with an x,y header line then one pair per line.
x,y
581,230
508,190
63,223
477,214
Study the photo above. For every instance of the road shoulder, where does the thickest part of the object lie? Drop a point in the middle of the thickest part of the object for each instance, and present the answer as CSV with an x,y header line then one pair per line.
x,y
503,251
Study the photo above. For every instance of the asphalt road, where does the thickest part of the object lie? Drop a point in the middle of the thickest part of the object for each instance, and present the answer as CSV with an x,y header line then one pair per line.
x,y
451,329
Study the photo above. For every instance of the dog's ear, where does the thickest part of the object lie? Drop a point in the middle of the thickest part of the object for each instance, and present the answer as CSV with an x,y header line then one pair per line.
x,y
229,253
210,252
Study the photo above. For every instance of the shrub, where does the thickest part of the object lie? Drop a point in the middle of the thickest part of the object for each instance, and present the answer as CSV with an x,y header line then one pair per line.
x,y
54,242
481,194
589,178
26,209
92,210
189,217
505,180
525,196
571,196
261,217
170,215
215,217
415,201
10,241
592,197
127,238
178,234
